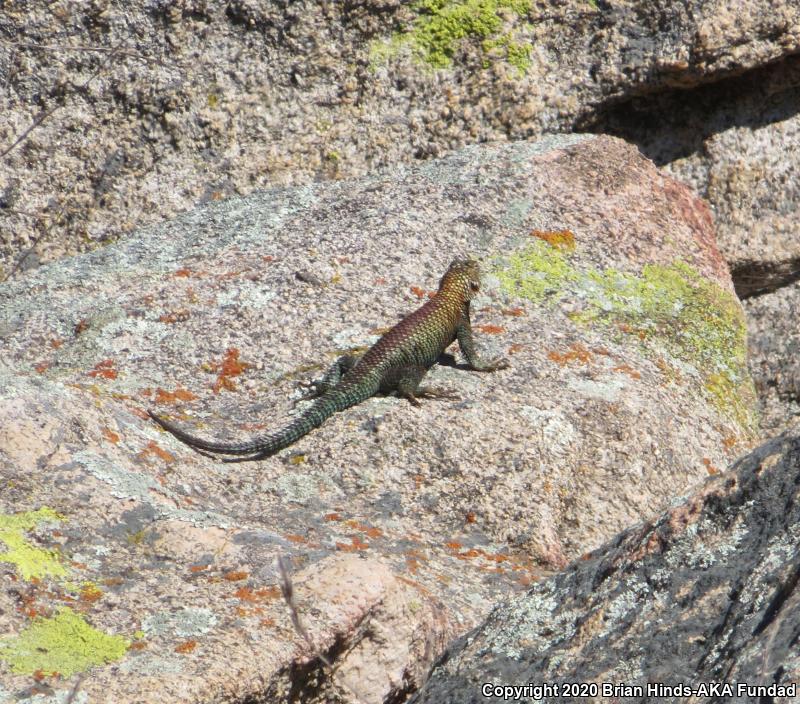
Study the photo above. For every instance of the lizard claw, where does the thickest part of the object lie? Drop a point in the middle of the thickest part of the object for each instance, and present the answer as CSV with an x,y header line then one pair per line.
x,y
499,363
434,392
494,365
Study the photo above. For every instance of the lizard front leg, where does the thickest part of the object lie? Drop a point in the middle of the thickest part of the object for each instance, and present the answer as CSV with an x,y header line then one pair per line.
x,y
467,345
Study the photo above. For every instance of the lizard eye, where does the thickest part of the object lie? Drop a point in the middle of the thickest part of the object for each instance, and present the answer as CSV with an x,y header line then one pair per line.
x,y
474,285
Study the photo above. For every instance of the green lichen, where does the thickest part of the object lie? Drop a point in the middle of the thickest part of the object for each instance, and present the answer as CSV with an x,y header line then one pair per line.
x,y
538,270
441,25
675,302
695,319
669,308
31,561
515,53
734,398
64,643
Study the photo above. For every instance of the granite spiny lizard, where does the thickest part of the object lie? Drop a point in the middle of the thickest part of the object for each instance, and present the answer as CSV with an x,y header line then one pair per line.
x,y
396,362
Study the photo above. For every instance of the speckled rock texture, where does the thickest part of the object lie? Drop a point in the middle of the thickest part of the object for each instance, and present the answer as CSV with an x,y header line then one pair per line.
x,y
706,593
128,553
141,109
737,144
774,334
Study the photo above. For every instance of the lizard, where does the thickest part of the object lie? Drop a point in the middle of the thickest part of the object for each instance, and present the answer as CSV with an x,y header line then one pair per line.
x,y
395,363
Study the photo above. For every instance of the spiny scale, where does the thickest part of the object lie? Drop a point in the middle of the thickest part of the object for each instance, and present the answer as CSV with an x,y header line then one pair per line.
x,y
396,362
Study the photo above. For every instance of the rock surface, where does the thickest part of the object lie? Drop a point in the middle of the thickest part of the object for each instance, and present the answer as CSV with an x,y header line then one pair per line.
x,y
707,592
142,109
119,114
628,385
774,336
737,144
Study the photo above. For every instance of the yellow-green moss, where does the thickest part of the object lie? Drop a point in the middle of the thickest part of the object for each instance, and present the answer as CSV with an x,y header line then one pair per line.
x,y
697,320
736,399
31,561
441,25
515,53
536,271
65,643
671,307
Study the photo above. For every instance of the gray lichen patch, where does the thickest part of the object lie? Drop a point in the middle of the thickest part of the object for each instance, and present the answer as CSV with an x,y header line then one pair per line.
x,y
127,484
181,623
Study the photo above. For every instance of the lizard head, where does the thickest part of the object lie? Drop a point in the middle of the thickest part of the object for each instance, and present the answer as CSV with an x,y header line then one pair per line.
x,y
462,276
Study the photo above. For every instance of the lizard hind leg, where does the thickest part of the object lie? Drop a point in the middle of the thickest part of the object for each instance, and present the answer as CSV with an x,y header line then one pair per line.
x,y
435,392
407,385
333,376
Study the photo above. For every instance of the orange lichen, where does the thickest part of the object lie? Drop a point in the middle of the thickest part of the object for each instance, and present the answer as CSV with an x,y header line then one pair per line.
x,y
251,595
104,369
173,396
153,449
414,584
418,292
729,442
710,468
56,342
177,316
91,593
230,366
558,239
516,347
356,544
491,329
495,557
41,368
368,530
576,352
186,647
627,369
182,273
641,333
295,538
332,517
513,312
81,326
27,602
235,576
413,552
110,435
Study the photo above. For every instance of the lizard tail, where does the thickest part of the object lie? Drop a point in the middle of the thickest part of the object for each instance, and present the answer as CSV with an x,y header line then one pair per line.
x,y
258,448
